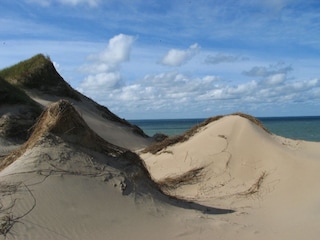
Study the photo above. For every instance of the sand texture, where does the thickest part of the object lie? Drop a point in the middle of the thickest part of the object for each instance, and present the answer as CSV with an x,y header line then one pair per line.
x,y
270,182
72,169
230,179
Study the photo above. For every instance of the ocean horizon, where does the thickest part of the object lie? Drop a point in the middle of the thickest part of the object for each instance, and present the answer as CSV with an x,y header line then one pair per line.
x,y
301,127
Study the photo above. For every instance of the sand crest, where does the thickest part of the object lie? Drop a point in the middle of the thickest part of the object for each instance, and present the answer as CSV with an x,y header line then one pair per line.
x,y
66,182
233,163
230,179
77,177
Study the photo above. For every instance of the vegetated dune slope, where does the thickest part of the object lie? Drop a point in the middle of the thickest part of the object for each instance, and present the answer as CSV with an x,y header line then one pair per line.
x,y
233,163
76,178
66,182
17,113
38,78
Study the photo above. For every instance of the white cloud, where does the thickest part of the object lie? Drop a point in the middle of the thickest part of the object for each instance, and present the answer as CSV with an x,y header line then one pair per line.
x,y
261,71
176,93
178,57
105,66
276,79
169,91
196,94
107,80
117,51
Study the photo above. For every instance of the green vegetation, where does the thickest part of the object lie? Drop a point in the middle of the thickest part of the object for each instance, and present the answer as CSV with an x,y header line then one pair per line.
x,y
10,94
16,121
20,73
38,73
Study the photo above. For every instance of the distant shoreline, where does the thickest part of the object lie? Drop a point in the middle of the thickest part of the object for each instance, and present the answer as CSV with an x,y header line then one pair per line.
x,y
260,118
299,127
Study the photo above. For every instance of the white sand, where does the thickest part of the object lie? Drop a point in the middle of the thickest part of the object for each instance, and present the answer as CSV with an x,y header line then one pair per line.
x,y
113,132
237,156
69,193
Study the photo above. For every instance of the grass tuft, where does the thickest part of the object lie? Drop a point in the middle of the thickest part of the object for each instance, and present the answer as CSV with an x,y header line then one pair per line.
x,y
189,177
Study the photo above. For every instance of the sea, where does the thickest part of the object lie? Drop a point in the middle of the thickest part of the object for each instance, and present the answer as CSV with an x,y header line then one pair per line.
x,y
301,128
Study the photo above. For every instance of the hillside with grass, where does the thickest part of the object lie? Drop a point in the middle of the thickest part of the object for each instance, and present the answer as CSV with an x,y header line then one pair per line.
x,y
40,74
10,94
18,112
34,82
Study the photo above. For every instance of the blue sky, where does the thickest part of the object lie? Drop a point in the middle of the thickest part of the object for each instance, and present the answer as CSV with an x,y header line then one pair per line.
x,y
175,58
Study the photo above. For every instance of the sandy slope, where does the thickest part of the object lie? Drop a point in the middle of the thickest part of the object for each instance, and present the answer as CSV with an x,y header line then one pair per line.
x,y
59,189
112,131
75,185
70,195
271,181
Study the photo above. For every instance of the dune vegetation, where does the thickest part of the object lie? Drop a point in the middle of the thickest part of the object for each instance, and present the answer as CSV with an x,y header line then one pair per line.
x,y
38,73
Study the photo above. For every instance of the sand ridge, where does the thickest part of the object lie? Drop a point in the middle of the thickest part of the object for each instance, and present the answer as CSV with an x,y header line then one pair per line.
x,y
77,177
231,179
65,176
233,163
115,132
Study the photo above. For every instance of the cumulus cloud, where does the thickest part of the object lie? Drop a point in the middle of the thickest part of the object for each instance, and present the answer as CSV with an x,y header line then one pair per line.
x,y
276,79
176,93
261,71
223,58
173,92
169,93
274,75
178,57
117,51
108,80
104,68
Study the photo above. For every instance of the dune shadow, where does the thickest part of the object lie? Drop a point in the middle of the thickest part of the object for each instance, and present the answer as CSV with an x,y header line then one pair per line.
x,y
186,204
149,188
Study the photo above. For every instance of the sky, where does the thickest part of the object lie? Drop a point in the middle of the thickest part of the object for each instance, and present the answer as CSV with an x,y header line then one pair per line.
x,y
152,59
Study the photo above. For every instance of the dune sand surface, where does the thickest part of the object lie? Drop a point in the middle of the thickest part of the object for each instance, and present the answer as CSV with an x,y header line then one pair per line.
x,y
112,131
230,180
271,182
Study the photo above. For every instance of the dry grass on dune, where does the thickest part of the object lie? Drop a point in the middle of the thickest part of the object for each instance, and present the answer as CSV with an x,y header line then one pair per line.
x,y
189,177
158,146
63,120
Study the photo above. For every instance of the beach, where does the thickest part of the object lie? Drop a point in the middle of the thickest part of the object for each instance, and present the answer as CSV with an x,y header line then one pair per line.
x,y
84,173
301,128
254,185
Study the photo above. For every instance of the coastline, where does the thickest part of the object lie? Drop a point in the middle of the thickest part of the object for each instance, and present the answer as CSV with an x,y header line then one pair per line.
x,y
84,173
305,128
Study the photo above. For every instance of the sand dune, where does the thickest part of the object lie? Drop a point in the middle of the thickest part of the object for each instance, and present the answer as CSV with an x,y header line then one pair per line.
x,y
36,81
112,130
76,177
230,179
233,163
66,182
